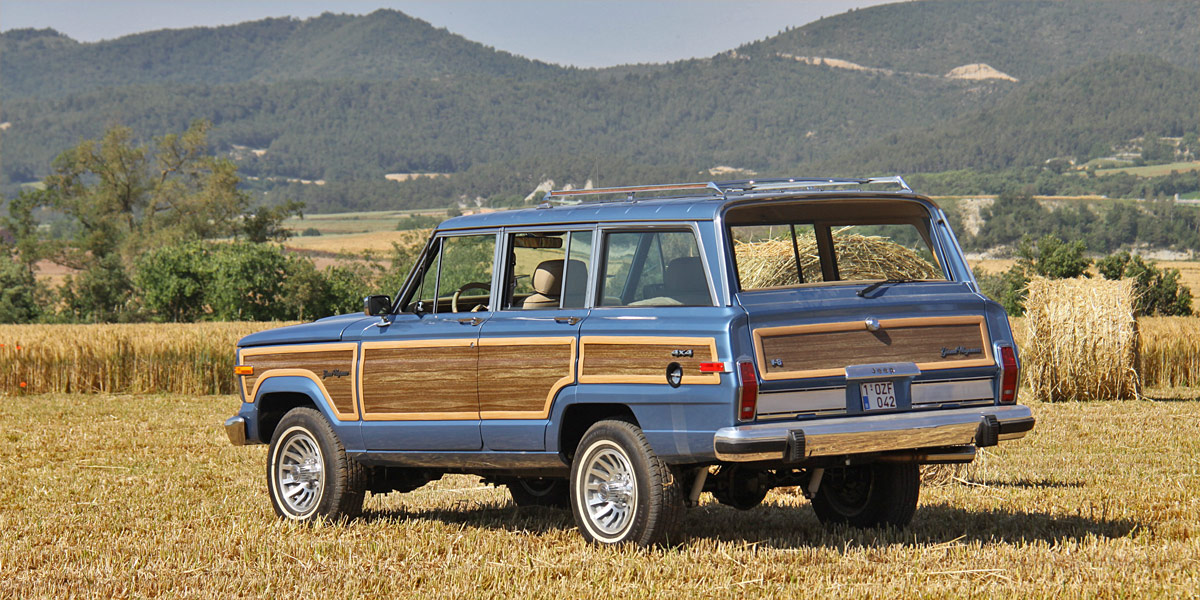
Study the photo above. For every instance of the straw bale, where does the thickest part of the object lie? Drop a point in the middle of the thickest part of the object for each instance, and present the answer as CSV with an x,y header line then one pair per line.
x,y
1082,340
771,263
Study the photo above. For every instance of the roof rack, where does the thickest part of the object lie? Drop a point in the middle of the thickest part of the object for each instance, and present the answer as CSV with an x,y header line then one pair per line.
x,y
724,188
630,192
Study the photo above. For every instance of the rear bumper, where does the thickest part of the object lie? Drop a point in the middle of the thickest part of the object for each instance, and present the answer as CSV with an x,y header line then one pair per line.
x,y
235,428
793,441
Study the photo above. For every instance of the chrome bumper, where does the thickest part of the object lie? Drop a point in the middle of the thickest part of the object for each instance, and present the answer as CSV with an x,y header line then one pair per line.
x,y
235,428
792,441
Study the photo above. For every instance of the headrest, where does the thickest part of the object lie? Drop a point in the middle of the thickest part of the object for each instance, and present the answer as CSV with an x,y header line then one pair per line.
x,y
548,276
685,274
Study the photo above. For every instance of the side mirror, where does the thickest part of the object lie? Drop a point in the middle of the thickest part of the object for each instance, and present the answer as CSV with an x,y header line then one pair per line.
x,y
375,306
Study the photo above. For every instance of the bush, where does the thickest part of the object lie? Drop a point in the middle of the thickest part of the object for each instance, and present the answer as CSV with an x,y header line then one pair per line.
x,y
173,281
1159,291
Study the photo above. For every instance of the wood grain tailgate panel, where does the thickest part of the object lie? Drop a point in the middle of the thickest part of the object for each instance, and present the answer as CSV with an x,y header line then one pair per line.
x,y
826,349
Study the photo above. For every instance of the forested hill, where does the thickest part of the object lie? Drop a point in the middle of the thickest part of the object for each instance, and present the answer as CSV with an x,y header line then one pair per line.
x,y
384,45
1077,114
350,100
1026,39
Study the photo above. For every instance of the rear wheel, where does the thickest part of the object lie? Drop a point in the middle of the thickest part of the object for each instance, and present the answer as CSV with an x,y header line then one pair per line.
x,y
539,491
869,496
621,492
308,472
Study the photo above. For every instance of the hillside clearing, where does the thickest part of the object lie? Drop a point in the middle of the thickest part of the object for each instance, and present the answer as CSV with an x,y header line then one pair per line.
x,y
130,496
1154,170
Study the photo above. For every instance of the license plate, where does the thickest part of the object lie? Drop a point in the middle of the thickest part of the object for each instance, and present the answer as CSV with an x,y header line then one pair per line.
x,y
879,395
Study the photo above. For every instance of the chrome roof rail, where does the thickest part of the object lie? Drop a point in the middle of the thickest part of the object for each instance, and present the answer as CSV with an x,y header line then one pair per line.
x,y
723,189
810,183
630,192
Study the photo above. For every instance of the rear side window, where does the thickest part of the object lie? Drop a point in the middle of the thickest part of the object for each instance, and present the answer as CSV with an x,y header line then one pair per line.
x,y
653,268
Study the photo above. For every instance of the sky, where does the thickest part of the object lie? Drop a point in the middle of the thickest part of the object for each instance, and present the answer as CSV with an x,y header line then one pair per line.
x,y
583,33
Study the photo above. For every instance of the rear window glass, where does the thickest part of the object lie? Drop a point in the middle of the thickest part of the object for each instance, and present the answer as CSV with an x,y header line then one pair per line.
x,y
796,245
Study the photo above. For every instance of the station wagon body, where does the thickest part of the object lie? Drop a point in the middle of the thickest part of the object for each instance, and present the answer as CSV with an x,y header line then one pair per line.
x,y
622,351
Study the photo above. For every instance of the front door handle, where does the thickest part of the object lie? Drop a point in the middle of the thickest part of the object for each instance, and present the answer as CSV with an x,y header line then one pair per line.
x,y
471,321
568,320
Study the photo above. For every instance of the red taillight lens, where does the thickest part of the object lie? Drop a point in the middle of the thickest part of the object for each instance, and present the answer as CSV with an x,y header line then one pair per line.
x,y
748,403
1010,372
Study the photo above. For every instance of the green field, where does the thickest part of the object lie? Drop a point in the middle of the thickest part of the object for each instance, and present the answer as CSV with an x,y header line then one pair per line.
x,y
141,496
1153,170
356,222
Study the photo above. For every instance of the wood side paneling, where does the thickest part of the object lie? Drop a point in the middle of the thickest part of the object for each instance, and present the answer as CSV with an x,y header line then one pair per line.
x,y
331,366
826,349
615,359
407,382
518,377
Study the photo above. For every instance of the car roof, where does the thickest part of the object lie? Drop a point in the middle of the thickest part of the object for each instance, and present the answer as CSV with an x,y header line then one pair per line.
x,y
681,208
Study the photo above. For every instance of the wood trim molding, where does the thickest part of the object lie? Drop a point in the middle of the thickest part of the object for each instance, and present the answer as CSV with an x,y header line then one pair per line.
x,y
978,320
411,416
599,340
568,379
251,394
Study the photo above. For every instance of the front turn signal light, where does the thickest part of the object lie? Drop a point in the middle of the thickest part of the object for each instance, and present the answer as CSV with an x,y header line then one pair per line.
x,y
243,370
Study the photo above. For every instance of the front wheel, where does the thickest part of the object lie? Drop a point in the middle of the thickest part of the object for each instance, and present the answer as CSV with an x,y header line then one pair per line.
x,y
308,472
869,496
621,492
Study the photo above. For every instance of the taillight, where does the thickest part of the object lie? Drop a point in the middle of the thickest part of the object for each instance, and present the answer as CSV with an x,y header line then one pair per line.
x,y
748,402
1010,374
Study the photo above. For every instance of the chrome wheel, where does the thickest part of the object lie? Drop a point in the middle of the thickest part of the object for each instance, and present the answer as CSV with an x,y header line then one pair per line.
x,y
610,489
300,471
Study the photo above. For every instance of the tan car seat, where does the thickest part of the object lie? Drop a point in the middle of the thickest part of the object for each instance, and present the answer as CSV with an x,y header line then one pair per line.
x,y
548,279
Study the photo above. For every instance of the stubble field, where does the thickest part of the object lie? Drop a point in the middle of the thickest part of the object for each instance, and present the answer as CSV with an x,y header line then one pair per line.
x,y
141,495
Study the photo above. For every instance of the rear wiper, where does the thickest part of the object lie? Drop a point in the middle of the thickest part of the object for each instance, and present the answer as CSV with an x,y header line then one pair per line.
x,y
874,286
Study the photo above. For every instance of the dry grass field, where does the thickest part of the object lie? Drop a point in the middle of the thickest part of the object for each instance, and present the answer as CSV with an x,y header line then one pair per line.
x,y
112,496
355,244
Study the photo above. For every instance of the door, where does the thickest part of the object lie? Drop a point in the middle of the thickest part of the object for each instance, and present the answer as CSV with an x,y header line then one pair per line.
x,y
419,369
529,347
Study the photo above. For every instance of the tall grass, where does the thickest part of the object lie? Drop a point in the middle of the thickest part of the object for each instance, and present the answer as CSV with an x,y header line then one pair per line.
x,y
195,358
1170,351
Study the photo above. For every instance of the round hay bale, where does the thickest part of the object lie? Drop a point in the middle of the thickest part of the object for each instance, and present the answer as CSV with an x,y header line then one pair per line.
x,y
1082,340
772,263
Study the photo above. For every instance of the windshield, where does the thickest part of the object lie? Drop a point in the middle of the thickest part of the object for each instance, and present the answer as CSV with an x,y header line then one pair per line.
x,y
792,244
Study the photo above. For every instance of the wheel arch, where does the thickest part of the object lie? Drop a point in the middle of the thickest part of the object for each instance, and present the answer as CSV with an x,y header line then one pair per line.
x,y
578,417
278,395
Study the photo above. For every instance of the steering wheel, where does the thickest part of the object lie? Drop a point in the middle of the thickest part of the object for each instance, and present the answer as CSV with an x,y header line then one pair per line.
x,y
474,285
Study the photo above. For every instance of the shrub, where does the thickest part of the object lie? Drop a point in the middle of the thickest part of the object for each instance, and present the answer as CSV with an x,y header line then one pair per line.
x,y
1158,290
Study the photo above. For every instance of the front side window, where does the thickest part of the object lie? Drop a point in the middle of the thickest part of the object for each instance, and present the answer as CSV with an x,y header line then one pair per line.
x,y
653,268
800,244
457,276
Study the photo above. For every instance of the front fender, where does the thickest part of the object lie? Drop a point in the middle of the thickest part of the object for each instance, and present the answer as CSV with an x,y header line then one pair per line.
x,y
347,429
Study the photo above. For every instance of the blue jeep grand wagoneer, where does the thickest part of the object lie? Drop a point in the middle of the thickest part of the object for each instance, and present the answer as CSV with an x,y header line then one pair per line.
x,y
622,350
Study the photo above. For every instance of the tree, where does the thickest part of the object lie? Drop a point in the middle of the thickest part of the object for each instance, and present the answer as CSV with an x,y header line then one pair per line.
x,y
128,197
1053,258
247,282
172,281
265,223
1159,290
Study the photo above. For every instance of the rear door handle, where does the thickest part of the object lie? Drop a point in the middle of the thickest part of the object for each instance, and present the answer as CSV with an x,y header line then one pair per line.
x,y
471,321
567,320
